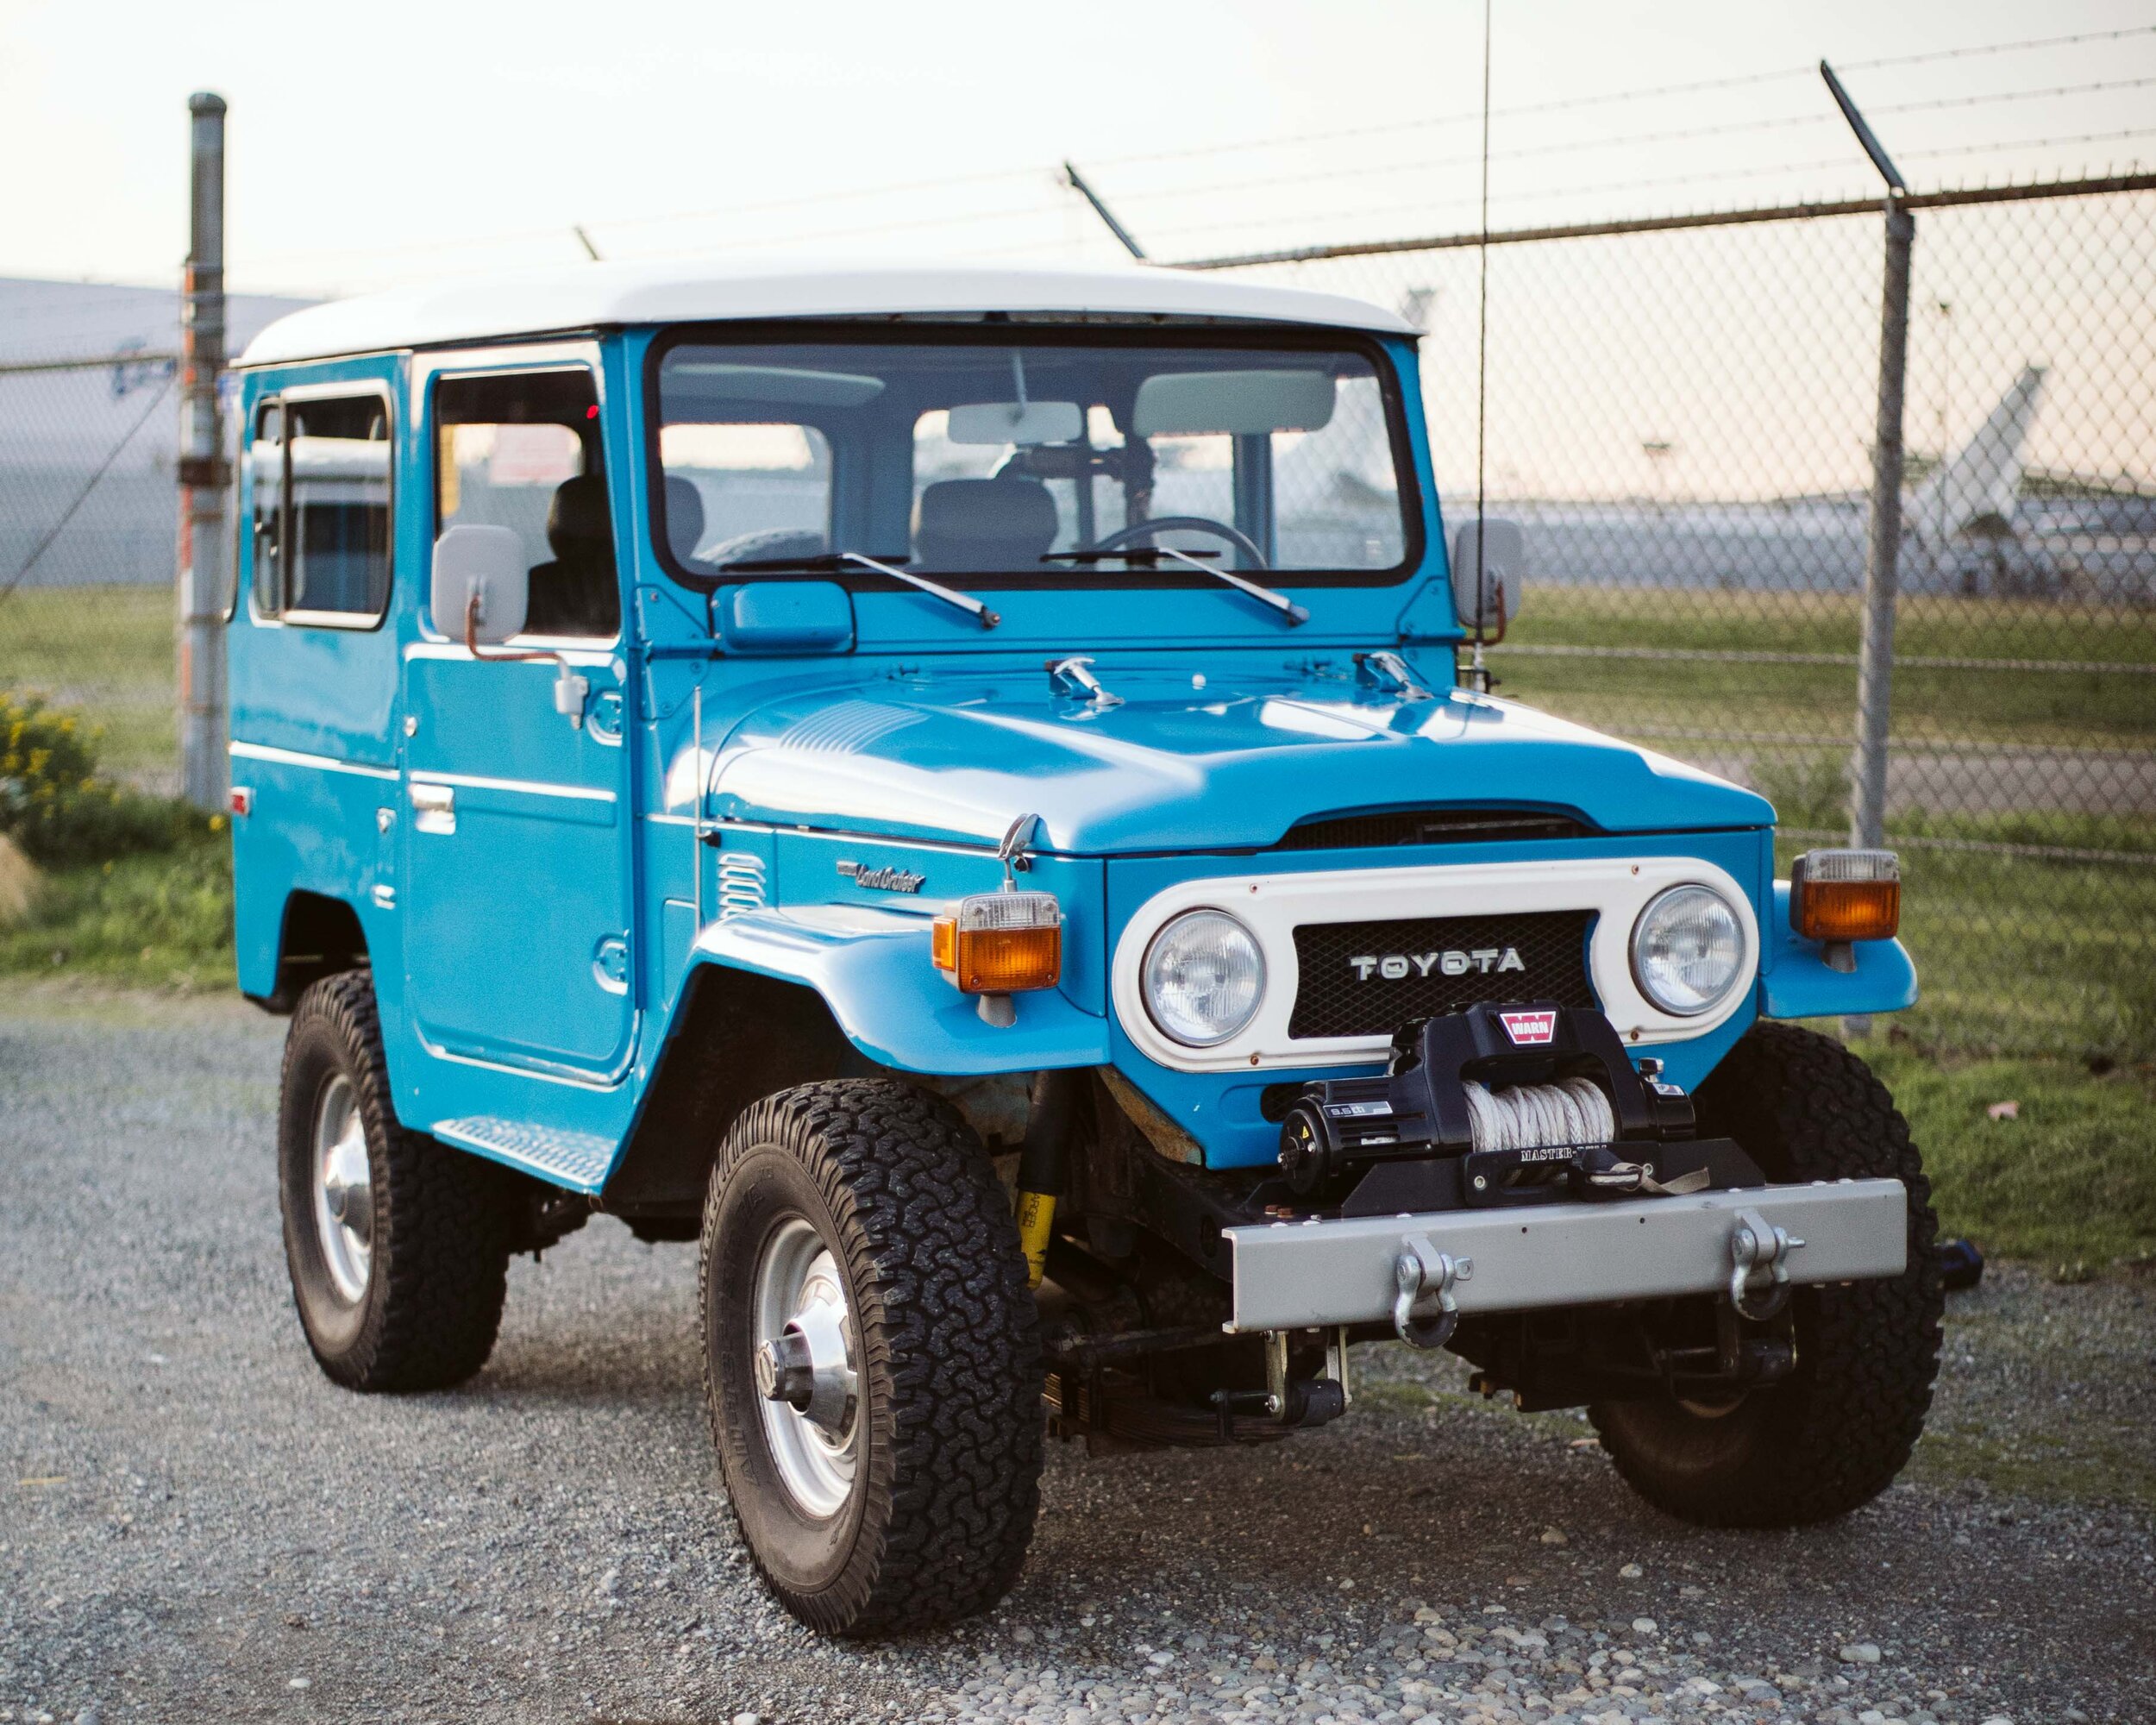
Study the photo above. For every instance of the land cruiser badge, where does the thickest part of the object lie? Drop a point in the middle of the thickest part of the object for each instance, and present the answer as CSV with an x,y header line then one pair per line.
x,y
886,879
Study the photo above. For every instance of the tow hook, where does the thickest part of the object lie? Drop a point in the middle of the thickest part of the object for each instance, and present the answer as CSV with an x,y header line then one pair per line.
x,y
1422,1272
1759,1253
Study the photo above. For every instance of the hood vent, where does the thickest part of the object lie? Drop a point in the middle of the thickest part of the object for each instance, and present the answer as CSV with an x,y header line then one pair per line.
x,y
1433,826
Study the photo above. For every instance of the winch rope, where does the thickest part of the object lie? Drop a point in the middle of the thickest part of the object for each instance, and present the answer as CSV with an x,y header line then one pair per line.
x,y
1574,1113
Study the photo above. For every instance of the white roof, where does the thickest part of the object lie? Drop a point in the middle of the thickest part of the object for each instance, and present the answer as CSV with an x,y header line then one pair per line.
x,y
583,295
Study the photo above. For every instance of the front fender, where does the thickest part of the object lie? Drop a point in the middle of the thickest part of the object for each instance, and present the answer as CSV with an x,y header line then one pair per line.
x,y
1799,983
872,967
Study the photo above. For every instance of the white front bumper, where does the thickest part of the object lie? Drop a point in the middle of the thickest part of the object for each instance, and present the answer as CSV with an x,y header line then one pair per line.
x,y
1304,1275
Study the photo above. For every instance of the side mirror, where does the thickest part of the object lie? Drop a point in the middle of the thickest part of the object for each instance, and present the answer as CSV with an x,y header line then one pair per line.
x,y
486,564
1503,550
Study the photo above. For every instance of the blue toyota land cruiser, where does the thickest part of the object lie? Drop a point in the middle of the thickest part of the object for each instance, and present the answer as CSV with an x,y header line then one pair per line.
x,y
968,794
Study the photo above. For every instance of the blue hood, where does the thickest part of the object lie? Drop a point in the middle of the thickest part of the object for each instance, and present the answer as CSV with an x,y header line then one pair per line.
x,y
958,756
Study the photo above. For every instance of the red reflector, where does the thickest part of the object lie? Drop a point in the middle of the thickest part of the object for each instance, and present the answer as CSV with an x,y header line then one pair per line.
x,y
592,412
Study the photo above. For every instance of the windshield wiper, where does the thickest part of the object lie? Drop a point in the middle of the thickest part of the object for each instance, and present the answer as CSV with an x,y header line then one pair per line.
x,y
1128,554
831,562
1290,611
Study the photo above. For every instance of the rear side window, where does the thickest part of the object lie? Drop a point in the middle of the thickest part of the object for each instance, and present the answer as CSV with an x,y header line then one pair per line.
x,y
322,473
521,450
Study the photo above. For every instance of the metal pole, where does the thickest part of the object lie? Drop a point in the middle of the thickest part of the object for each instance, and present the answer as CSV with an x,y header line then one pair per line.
x,y
1881,570
1076,181
204,542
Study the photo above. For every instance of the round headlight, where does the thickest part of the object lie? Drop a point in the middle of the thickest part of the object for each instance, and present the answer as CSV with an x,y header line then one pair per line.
x,y
1204,977
1687,949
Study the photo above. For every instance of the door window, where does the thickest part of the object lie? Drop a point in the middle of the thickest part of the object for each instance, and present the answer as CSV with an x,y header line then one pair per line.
x,y
322,510
521,450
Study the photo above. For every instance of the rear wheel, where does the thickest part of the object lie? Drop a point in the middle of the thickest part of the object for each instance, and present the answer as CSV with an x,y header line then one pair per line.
x,y
398,1246
872,1358
1833,1434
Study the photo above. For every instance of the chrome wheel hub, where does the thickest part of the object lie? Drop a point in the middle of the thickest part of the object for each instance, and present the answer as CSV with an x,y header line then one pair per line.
x,y
343,1190
805,1345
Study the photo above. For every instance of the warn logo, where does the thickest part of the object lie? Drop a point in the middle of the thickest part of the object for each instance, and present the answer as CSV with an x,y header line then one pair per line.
x,y
1526,1028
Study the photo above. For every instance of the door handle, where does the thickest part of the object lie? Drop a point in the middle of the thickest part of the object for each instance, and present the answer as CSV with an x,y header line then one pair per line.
x,y
434,808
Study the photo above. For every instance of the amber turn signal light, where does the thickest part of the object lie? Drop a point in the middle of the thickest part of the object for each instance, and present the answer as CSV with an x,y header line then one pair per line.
x,y
1001,942
1843,896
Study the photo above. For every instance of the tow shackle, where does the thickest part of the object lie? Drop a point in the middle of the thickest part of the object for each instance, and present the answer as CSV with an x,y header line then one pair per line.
x,y
1422,1274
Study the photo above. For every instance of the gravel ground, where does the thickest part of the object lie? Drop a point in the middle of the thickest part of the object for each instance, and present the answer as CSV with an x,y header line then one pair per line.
x,y
198,1526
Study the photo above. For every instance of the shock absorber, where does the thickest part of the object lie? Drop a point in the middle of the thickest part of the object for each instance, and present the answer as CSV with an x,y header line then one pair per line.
x,y
1041,1165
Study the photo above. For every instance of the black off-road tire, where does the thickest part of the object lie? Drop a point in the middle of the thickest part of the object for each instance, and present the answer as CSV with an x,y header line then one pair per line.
x,y
432,1298
1834,1433
949,1426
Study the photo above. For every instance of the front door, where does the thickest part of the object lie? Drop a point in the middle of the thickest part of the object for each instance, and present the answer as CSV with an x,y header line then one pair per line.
x,y
515,815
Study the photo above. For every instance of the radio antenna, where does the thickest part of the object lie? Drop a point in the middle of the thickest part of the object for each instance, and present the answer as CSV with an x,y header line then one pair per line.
x,y
1481,374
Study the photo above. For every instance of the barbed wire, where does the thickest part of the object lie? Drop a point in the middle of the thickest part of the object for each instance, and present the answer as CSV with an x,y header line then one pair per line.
x,y
605,227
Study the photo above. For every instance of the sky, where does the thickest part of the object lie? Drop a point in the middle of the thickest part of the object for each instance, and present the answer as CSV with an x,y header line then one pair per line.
x,y
417,138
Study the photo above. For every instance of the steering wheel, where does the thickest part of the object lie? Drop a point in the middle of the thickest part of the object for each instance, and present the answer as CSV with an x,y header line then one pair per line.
x,y
1188,523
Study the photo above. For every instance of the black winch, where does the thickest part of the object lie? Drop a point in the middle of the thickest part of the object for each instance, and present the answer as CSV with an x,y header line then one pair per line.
x,y
1525,1103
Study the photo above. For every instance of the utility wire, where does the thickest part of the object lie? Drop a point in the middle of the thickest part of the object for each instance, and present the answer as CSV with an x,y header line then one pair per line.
x,y
1698,86
1724,129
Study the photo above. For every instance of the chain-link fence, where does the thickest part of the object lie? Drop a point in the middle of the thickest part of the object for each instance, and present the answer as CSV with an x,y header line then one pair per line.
x,y
1681,415
89,512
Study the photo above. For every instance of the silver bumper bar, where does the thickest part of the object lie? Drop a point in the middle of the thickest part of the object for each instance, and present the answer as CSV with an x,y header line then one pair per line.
x,y
1424,1270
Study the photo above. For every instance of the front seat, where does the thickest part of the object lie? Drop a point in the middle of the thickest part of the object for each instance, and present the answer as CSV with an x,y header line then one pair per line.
x,y
576,594
685,518
984,525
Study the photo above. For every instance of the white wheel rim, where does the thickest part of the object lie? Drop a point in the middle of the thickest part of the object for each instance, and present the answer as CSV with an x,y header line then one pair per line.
x,y
343,1190
798,1288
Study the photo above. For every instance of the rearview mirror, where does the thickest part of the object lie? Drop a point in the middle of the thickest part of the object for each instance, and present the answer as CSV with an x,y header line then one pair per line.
x,y
1234,404
1504,554
485,563
1024,423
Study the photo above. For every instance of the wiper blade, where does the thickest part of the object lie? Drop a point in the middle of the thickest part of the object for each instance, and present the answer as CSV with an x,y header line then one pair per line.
x,y
1131,554
831,562
815,562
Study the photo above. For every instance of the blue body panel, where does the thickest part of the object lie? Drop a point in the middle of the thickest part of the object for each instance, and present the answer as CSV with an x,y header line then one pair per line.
x,y
530,963
1802,985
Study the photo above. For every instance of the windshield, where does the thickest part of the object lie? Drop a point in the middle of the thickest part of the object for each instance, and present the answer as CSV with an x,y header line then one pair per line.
x,y
1058,457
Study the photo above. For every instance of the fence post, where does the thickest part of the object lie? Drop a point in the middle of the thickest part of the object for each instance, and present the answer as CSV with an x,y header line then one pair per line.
x,y
1882,563
1881,566
204,476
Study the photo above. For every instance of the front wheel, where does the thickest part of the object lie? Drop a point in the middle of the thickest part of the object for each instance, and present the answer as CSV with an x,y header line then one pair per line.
x,y
872,1358
1834,1433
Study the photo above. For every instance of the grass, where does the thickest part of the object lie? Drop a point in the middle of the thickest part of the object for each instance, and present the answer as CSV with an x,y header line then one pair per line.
x,y
2070,1183
2030,956
2079,709
108,651
158,920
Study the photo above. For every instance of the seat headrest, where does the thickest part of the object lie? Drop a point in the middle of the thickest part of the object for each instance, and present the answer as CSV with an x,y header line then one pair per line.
x,y
984,524
685,516
577,522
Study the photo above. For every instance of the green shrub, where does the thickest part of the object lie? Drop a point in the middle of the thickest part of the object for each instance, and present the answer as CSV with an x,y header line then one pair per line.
x,y
57,807
159,921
